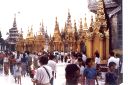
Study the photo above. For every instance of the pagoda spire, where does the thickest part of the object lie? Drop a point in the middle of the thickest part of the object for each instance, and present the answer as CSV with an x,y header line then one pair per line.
x,y
42,27
69,15
65,29
56,30
31,32
75,28
28,30
31,28
69,24
14,22
85,24
91,24
21,33
81,26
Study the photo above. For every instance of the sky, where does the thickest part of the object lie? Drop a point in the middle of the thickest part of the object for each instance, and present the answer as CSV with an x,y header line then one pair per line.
x,y
32,12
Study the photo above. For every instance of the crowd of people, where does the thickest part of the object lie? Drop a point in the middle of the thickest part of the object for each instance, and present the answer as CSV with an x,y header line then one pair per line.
x,y
87,71
41,67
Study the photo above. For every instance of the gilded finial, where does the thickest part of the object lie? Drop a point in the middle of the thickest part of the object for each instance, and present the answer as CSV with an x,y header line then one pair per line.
x,y
81,23
85,23
75,28
14,22
31,28
91,21
74,23
56,20
28,29
91,25
69,15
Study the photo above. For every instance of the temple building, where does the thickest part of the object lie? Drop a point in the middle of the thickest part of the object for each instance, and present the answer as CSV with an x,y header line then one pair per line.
x,y
88,40
32,43
13,36
114,12
72,38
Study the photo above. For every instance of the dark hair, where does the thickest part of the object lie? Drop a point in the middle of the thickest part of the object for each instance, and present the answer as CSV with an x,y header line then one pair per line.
x,y
78,54
80,59
84,52
88,60
70,73
51,56
43,60
111,64
97,54
112,53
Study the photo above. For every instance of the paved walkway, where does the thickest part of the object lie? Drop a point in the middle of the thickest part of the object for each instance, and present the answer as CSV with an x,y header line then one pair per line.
x,y
60,77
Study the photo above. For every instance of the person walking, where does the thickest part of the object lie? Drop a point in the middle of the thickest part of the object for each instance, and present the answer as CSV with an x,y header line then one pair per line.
x,y
90,73
6,64
52,64
43,74
24,64
112,58
72,74
111,77
17,72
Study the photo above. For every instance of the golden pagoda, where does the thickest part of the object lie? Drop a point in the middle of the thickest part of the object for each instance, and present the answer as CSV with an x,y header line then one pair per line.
x,y
57,38
29,42
20,42
86,39
98,36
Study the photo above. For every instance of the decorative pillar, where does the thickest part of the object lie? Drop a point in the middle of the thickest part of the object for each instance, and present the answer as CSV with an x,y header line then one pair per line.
x,y
90,45
101,46
78,46
107,46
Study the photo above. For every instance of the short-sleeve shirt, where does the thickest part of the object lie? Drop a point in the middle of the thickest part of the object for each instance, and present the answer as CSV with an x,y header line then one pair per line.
x,y
52,64
90,73
42,76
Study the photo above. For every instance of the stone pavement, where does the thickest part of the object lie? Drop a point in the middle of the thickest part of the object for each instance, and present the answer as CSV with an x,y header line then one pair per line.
x,y
60,77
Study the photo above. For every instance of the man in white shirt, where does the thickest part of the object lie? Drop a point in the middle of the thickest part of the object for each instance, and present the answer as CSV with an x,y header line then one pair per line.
x,y
43,74
52,64
84,57
111,59
97,58
115,60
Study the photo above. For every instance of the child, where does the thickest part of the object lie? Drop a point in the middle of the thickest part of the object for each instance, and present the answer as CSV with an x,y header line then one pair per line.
x,y
111,77
90,73
17,72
